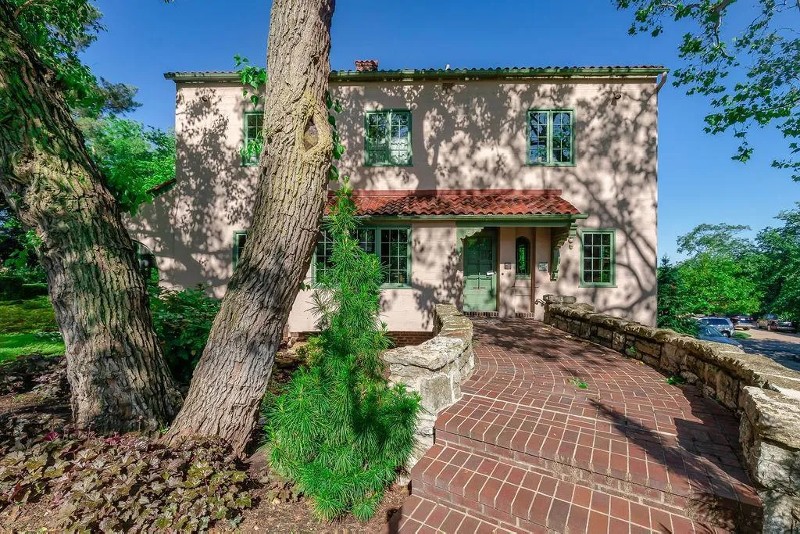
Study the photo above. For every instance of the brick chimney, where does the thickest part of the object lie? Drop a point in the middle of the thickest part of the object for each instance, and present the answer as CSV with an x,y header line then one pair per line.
x,y
366,65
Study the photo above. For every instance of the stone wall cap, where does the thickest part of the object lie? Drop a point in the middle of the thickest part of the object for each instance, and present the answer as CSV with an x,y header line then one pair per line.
x,y
432,354
776,416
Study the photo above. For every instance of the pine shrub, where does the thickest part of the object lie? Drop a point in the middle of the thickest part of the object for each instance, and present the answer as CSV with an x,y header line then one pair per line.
x,y
339,430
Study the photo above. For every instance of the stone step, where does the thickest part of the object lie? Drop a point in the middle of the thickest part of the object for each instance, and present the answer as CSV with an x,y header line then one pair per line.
x,y
458,481
572,445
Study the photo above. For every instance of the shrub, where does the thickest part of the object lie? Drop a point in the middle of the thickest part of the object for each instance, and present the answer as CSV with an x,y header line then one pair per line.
x,y
339,430
182,321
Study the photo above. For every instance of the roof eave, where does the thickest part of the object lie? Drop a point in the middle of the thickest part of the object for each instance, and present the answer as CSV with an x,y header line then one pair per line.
x,y
451,74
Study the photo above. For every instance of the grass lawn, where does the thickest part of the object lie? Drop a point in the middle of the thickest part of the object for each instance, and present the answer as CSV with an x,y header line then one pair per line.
x,y
741,335
28,327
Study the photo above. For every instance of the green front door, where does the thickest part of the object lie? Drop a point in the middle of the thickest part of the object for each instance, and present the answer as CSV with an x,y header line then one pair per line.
x,y
480,277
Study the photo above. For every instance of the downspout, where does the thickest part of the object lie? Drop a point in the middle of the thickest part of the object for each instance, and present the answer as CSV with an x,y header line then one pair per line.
x,y
662,81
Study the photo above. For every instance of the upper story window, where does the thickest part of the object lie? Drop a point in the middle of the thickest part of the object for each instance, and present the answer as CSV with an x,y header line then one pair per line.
x,y
391,245
598,258
387,139
523,257
551,137
253,137
239,240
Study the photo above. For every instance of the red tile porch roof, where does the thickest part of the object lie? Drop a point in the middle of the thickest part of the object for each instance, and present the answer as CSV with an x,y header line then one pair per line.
x,y
457,202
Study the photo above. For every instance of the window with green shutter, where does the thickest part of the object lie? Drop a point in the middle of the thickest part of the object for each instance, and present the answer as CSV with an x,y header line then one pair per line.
x,y
391,245
551,137
598,258
387,138
253,137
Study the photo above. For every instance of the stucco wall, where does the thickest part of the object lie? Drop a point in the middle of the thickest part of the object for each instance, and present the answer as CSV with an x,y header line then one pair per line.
x,y
464,135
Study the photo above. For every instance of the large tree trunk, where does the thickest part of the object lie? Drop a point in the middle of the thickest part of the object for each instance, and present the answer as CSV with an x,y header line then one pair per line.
x,y
117,375
232,374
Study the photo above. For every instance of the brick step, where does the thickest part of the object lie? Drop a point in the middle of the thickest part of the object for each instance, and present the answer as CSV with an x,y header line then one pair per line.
x,y
581,448
423,515
522,500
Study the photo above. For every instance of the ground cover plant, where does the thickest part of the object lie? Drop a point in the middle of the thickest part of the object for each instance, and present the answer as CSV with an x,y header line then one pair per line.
x,y
339,430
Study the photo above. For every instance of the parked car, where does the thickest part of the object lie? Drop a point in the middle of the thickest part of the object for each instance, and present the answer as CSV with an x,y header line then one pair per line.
x,y
723,324
743,322
772,322
707,332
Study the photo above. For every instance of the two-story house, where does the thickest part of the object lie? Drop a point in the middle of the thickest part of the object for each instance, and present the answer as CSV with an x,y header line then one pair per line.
x,y
486,188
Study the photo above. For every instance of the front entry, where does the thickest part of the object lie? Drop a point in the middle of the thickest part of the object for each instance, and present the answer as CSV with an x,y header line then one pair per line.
x,y
480,276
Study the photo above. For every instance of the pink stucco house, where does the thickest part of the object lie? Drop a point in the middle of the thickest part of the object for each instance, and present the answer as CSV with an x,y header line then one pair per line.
x,y
485,188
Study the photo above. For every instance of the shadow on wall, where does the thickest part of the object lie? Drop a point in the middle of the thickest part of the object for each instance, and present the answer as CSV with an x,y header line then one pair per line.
x,y
190,229
473,135
464,135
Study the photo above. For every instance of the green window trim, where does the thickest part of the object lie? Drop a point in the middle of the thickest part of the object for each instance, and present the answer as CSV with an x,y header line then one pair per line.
x,y
253,136
550,138
375,240
387,138
598,258
523,257
239,240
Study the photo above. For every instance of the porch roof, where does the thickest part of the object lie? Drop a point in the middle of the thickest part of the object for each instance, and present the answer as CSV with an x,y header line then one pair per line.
x,y
443,203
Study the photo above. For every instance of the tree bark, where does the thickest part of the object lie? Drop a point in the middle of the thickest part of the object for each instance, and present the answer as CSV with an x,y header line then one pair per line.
x,y
117,375
231,377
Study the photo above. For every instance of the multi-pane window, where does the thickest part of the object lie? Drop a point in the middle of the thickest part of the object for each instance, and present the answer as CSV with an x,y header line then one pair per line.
x,y
597,258
253,137
387,140
394,255
239,239
551,137
391,245
523,257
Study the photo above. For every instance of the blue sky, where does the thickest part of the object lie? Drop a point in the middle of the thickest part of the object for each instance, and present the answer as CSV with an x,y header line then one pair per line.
x,y
698,182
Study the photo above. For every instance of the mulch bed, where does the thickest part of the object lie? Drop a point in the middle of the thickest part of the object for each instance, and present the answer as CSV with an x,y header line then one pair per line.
x,y
34,400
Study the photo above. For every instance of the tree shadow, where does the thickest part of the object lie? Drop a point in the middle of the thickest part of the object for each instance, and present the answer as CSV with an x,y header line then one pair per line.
x,y
704,454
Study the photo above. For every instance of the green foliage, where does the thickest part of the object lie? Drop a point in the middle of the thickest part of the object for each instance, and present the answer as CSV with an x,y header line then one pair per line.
x,y
182,322
339,430
13,346
744,57
741,335
28,327
125,484
578,382
720,285
676,380
779,265
673,310
138,162
26,316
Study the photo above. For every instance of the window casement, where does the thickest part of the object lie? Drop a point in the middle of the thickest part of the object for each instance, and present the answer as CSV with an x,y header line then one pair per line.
x,y
551,137
387,138
391,245
239,240
253,138
598,258
523,249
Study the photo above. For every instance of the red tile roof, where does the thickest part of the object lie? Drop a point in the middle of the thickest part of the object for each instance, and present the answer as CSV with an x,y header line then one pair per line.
x,y
440,202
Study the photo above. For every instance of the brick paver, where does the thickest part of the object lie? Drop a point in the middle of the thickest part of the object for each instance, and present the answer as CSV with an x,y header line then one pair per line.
x,y
527,449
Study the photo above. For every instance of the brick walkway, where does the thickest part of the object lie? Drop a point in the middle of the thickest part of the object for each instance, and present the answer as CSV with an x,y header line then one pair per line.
x,y
528,450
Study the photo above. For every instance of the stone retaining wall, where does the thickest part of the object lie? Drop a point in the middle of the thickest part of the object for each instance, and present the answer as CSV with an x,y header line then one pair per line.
x,y
765,394
435,369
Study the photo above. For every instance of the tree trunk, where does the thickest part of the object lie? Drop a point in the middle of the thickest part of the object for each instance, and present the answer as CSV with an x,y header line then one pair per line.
x,y
231,377
117,375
